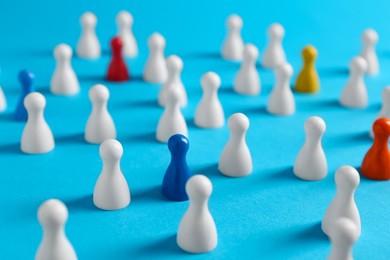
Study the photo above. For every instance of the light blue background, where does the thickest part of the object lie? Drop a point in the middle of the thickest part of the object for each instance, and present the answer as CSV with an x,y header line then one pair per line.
x,y
268,215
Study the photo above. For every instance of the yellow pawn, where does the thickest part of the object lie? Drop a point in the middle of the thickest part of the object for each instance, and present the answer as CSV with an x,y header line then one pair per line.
x,y
308,81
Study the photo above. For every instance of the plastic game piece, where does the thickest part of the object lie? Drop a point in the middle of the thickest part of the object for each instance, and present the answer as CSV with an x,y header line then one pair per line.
x,y
88,45
64,80
172,121
111,189
117,69
175,66
236,159
370,38
233,45
3,100
26,79
209,113
311,162
177,174
385,110
37,137
354,94
308,81
274,53
155,70
197,232
343,204
281,100
124,22
247,81
100,125
53,215
376,162
343,236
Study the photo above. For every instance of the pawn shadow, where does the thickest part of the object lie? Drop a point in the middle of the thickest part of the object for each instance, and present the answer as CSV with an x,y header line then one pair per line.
x,y
286,174
312,233
323,104
362,137
10,149
228,90
333,71
149,194
162,247
8,117
143,138
77,138
191,123
83,203
210,171
255,110
202,55
137,78
93,78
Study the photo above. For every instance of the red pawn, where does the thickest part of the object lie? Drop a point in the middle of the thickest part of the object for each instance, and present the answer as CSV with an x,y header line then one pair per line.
x,y
117,70
376,163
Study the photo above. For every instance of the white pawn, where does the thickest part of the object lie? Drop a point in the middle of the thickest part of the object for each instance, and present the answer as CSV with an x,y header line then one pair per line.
x,y
3,100
88,45
175,67
247,81
111,190
281,100
343,236
64,80
209,113
236,159
343,204
124,21
37,137
197,232
100,125
155,69
385,110
311,162
172,121
233,44
370,38
52,215
274,53
354,94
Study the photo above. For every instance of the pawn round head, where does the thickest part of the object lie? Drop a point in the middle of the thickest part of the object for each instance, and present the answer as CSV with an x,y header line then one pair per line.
x,y
63,52
276,31
358,65
99,94
370,37
381,128
199,187
52,213
111,150
386,95
238,123
178,144
347,178
156,41
34,102
124,19
309,53
173,96
345,231
116,43
88,19
251,53
26,79
210,80
234,22
284,70
174,64
315,126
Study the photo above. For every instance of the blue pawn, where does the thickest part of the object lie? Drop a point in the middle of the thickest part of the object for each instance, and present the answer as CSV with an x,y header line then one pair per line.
x,y
26,79
178,172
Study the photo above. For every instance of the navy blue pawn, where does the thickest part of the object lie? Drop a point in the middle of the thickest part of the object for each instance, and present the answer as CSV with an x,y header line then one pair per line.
x,y
26,79
178,172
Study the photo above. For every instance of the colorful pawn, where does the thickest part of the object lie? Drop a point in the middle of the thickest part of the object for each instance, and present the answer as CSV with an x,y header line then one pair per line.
x,y
376,162
178,172
117,70
26,79
308,81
